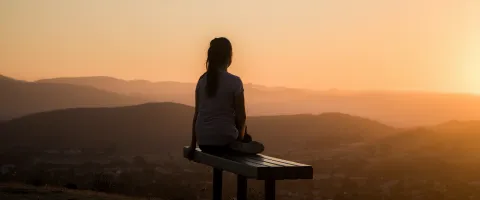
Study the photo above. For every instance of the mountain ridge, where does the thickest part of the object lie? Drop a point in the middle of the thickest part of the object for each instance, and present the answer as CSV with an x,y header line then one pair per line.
x,y
399,109
149,126
22,98
396,108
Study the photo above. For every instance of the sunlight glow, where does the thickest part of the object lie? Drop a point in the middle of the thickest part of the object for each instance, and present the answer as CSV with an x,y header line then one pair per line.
x,y
471,65
471,68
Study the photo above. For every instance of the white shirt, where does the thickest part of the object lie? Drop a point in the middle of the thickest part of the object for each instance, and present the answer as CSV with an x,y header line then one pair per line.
x,y
215,123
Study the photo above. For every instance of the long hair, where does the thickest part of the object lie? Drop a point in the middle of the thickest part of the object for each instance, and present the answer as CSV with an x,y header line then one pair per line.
x,y
219,58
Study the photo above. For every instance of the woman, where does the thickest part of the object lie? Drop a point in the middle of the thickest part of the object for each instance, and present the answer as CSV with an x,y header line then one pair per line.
x,y
219,119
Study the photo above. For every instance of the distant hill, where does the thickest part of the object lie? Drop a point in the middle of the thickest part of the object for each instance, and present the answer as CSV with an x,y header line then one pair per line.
x,y
176,91
5,78
442,152
153,91
400,109
167,127
442,138
124,86
19,98
470,126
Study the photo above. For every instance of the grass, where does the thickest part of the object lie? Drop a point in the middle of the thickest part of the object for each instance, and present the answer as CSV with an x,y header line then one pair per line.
x,y
14,191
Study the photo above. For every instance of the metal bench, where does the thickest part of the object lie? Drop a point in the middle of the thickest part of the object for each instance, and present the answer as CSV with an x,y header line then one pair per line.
x,y
259,167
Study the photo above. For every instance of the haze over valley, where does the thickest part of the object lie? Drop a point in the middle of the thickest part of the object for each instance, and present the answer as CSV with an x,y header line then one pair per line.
x,y
395,108
94,125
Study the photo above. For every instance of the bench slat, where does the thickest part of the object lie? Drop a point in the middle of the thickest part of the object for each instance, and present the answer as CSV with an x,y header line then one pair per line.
x,y
287,171
283,161
259,158
249,159
277,171
264,170
248,162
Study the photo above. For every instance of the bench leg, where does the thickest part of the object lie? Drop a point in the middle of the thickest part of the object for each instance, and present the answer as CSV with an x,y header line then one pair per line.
x,y
269,189
217,184
241,187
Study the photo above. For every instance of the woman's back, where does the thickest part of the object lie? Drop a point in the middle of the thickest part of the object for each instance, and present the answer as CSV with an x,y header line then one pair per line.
x,y
215,123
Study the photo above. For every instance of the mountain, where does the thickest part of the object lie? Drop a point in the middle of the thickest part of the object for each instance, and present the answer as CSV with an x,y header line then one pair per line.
x,y
154,91
19,98
126,87
167,127
438,152
396,108
447,138
5,78
470,127
175,91
400,109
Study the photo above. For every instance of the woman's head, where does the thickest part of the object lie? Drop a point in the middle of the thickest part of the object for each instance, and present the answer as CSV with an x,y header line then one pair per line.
x,y
219,54
219,57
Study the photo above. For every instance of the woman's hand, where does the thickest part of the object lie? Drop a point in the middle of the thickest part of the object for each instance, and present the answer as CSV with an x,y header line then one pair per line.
x,y
191,153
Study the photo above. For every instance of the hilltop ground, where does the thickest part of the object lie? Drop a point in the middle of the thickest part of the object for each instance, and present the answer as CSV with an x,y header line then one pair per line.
x,y
13,191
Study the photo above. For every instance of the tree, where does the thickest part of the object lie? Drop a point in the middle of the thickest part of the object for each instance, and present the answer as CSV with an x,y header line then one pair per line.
x,y
139,161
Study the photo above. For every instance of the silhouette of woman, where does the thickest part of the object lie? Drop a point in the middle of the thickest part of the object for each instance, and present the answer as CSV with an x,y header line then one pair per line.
x,y
219,119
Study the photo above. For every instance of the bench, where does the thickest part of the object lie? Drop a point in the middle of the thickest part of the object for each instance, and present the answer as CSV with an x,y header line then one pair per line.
x,y
259,167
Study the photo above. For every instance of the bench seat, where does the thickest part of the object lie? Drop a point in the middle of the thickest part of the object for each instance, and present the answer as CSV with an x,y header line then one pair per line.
x,y
260,167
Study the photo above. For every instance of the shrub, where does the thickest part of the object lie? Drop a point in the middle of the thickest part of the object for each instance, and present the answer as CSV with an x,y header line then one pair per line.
x,y
71,186
102,183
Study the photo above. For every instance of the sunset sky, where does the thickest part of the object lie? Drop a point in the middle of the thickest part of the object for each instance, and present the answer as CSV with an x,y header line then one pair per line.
x,y
429,45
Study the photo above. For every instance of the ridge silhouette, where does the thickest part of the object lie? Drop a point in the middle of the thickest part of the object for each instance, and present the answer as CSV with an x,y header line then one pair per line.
x,y
395,108
158,125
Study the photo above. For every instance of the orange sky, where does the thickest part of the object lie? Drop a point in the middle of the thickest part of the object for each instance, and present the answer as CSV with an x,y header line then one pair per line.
x,y
319,44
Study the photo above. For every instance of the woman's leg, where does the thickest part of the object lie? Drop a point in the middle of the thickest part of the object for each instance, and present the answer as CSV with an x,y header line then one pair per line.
x,y
246,136
246,145
214,149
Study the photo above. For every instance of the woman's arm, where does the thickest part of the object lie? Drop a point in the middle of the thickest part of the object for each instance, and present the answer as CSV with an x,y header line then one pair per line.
x,y
193,143
194,135
240,114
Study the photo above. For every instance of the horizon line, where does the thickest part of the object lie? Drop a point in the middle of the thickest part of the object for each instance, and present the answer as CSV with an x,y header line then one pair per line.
x,y
267,86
